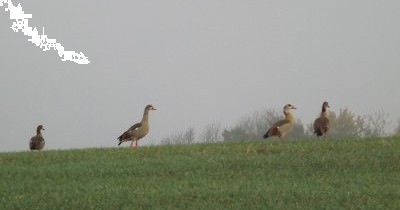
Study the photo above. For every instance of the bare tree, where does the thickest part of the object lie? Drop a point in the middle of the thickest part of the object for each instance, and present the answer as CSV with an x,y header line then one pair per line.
x,y
185,137
375,124
189,136
211,132
166,140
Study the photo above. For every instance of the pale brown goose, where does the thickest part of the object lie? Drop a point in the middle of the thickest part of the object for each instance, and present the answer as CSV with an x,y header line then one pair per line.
x,y
138,130
282,127
321,124
37,142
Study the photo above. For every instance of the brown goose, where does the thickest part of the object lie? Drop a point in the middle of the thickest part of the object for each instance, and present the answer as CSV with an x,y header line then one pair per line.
x,y
321,124
282,127
138,130
37,142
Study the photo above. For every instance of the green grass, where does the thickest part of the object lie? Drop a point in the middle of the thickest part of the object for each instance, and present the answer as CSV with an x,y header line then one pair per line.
x,y
306,174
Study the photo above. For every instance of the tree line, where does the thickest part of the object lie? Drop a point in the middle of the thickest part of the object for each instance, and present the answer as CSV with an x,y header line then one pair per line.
x,y
344,124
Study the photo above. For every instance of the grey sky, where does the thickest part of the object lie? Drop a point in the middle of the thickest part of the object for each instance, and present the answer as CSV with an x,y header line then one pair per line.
x,y
197,62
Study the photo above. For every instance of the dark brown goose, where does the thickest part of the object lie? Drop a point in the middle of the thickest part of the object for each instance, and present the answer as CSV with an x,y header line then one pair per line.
x,y
321,124
37,142
138,130
282,127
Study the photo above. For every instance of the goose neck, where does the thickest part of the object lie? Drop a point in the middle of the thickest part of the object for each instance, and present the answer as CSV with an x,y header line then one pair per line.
x,y
289,116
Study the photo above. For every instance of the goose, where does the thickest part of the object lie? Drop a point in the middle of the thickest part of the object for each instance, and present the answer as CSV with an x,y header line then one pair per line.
x,y
138,130
37,142
321,124
282,127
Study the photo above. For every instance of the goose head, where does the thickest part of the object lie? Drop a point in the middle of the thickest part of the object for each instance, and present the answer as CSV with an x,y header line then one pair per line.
x,y
149,107
40,128
325,105
287,108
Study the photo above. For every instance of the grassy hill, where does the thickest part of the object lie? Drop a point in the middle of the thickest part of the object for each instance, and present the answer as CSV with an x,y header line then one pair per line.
x,y
306,174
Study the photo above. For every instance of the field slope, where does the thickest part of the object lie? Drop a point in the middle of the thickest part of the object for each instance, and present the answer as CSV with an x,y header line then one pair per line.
x,y
306,174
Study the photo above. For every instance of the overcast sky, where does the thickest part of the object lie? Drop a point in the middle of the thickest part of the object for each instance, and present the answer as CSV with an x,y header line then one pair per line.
x,y
196,61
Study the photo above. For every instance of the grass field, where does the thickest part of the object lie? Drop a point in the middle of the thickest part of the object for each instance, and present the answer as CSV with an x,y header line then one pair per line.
x,y
305,174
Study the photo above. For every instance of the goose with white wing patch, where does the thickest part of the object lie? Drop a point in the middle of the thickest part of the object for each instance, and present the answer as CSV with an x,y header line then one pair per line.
x,y
282,127
138,130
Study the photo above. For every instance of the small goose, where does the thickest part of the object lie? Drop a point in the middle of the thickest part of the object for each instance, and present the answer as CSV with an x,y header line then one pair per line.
x,y
37,142
321,124
138,130
282,127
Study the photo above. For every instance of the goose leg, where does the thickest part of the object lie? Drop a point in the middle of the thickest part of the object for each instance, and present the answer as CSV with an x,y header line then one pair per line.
x,y
137,145
131,144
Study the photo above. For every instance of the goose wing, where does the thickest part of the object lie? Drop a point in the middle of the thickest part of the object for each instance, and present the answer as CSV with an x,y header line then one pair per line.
x,y
281,123
36,142
127,134
321,125
277,127
32,144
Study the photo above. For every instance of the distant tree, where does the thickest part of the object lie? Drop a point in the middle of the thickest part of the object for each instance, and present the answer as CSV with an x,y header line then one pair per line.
x,y
397,130
211,132
235,134
185,137
375,124
189,136
345,125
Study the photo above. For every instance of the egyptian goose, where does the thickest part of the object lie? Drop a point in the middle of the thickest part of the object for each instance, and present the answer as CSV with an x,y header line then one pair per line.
x,y
321,124
282,127
37,142
138,130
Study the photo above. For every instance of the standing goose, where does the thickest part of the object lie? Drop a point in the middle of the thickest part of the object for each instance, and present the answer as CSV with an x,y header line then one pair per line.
x,y
138,130
37,142
321,124
282,127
